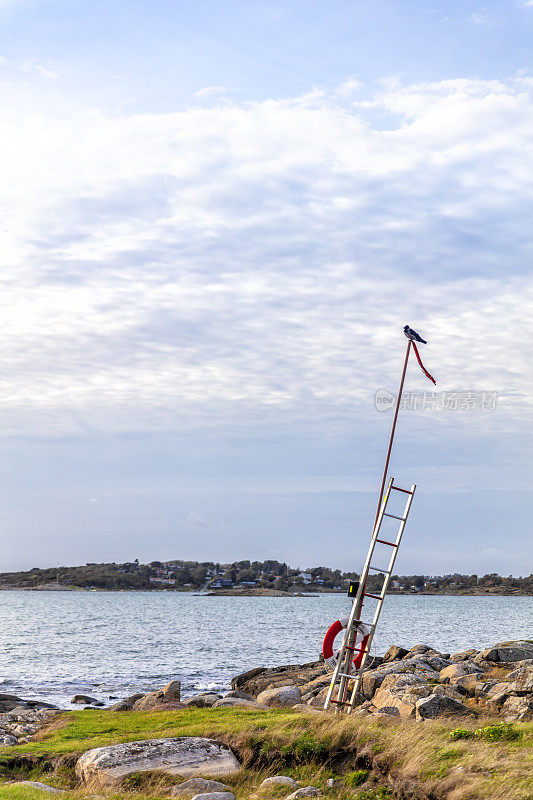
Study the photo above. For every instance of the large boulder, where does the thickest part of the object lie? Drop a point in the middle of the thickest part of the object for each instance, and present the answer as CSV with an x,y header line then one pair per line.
x,y
521,679
203,700
509,651
464,655
126,704
440,706
239,694
466,684
459,670
281,697
417,665
518,709
401,692
86,700
237,702
215,796
198,786
394,653
259,679
278,780
184,756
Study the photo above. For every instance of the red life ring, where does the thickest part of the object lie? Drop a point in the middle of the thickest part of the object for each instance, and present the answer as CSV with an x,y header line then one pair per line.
x,y
331,656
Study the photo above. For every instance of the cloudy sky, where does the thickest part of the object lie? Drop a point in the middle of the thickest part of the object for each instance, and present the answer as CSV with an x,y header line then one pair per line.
x,y
216,219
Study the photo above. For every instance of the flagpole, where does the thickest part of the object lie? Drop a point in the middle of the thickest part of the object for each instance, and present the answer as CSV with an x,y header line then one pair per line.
x,y
393,429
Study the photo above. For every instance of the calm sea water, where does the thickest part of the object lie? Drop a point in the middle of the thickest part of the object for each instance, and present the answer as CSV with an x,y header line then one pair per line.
x,y
54,645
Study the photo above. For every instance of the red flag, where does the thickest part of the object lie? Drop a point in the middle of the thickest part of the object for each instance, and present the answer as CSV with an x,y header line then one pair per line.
x,y
424,370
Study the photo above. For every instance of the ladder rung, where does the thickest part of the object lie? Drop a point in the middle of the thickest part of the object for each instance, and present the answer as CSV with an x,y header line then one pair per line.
x,y
370,624
353,649
382,541
406,491
352,675
375,596
378,569
395,517
340,702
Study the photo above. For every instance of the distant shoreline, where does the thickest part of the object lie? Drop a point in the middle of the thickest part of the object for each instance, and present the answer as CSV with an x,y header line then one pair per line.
x,y
264,592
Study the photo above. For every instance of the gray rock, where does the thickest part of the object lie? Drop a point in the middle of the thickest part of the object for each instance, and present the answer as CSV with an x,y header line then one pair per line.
x,y
239,694
518,709
394,653
281,697
126,704
203,700
185,756
84,699
154,701
278,780
464,655
257,680
467,684
215,796
172,691
37,785
388,711
439,706
305,791
418,649
198,786
521,680
509,651
230,702
458,670
372,679
7,741
498,689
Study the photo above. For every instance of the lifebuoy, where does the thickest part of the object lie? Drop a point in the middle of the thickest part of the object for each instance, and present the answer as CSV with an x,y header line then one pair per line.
x,y
331,656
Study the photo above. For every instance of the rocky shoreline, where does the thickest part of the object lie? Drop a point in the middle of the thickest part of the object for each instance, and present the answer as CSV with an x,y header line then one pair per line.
x,y
418,684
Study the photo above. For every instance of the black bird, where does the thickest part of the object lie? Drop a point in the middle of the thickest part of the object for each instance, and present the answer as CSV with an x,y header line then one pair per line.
x,y
413,335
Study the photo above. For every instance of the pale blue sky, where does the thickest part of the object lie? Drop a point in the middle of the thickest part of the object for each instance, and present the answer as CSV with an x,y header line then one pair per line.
x,y
216,219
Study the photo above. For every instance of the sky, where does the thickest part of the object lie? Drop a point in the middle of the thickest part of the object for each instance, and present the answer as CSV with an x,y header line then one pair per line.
x,y
216,218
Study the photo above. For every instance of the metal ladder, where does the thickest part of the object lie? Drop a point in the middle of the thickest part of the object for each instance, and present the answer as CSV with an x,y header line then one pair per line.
x,y
342,673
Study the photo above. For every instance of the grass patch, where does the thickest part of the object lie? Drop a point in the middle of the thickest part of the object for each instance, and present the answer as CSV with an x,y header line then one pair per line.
x,y
355,779
501,732
494,765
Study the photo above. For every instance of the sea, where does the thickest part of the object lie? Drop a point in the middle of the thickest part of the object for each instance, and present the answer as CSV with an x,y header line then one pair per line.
x,y
109,645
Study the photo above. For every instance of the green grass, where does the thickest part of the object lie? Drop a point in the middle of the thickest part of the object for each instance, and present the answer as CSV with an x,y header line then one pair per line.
x,y
309,747
354,779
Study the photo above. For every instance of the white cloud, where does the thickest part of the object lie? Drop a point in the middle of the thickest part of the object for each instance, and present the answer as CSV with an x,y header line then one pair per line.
x,y
213,91
261,258
27,67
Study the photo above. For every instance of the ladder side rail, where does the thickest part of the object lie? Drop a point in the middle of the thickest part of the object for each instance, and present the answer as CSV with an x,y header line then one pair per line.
x,y
381,600
346,654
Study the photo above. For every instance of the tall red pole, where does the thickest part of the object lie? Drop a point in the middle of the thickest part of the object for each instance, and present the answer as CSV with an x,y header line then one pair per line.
x,y
393,429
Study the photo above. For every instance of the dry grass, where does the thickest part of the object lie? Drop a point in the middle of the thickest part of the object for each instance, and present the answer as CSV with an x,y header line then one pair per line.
x,y
419,759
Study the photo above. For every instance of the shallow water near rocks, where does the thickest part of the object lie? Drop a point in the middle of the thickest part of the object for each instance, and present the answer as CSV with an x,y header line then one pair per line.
x,y
54,645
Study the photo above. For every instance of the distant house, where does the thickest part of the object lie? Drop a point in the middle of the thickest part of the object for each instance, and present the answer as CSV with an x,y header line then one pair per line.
x,y
306,577
169,581
221,583
248,583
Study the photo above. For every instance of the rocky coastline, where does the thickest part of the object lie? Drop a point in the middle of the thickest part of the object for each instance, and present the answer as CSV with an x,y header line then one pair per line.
x,y
271,737
417,684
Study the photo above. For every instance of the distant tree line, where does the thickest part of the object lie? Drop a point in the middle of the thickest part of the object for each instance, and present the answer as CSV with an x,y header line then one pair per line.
x,y
179,575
